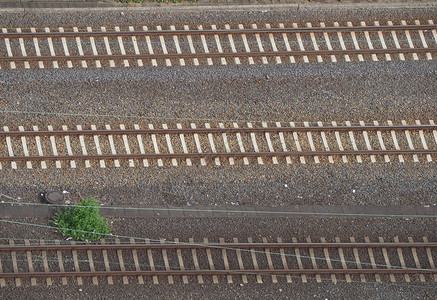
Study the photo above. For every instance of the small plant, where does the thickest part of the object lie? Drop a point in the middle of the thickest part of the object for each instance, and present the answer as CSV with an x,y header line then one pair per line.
x,y
82,222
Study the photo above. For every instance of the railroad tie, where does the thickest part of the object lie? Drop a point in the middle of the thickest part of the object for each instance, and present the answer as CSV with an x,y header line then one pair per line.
x,y
232,44
355,41
184,145
45,263
76,264
212,145
430,259
423,140
240,262
108,47
273,43
246,45
219,46
313,260
269,143
30,263
357,260
94,48
121,261
416,259
181,262
61,263
269,261
169,145
225,260
106,262
409,141
297,143
367,141
342,44
210,261
284,260
387,260
372,259
314,41
92,267
15,264
166,262
54,147
196,261
255,144
328,259
287,44
254,261
409,40
79,48
136,49
65,47
141,145
227,147
343,260
121,45
151,263
283,144
300,42
381,142
401,259
126,146
382,41
395,141
98,149
150,47
325,142
178,47
136,262
354,144
69,149
299,260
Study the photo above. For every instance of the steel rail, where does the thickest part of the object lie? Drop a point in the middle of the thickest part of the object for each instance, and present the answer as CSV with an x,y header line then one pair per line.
x,y
219,55
216,130
228,246
217,155
219,31
219,272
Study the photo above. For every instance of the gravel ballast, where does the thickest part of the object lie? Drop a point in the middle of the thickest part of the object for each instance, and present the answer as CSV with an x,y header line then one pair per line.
x,y
316,92
241,228
338,184
300,92
227,291
218,15
325,92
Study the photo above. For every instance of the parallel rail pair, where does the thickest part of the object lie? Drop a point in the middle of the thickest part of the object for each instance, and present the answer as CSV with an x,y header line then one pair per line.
x,y
236,260
222,143
130,47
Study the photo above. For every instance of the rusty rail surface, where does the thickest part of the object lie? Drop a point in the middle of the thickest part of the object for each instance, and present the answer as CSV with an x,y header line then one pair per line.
x,y
57,54
218,31
229,246
217,54
421,129
247,247
217,130
218,272
217,154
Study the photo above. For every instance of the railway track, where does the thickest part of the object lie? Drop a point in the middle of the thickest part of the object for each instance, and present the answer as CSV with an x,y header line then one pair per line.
x,y
161,261
216,45
217,144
